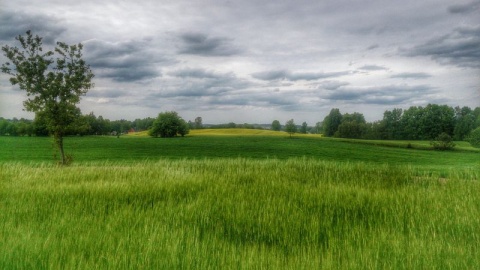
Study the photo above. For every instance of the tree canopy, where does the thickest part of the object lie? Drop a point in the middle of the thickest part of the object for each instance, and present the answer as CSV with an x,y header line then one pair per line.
x,y
276,125
331,122
169,124
53,80
290,127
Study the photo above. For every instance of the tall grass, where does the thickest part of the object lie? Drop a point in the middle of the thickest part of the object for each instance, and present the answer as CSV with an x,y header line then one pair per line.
x,y
296,213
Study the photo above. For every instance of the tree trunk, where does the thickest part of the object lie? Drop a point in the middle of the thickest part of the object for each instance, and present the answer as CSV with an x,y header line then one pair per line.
x,y
58,138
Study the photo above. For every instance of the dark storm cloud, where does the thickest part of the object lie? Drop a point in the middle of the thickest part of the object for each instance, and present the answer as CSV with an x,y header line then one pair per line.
x,y
202,44
464,8
460,48
274,75
124,61
19,22
383,95
411,75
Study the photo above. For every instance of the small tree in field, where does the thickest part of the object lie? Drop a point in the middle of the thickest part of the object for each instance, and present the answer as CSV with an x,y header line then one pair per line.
x,y
276,125
54,82
443,142
169,124
290,127
304,128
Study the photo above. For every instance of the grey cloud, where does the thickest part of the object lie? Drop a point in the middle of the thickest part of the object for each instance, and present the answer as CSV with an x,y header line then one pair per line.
x,y
271,75
464,8
372,67
202,83
372,47
19,22
131,74
201,44
411,75
332,85
255,99
383,95
460,48
316,75
297,76
124,61
198,73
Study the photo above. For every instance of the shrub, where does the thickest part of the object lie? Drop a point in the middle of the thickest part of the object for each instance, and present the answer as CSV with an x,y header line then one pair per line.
x,y
474,138
443,142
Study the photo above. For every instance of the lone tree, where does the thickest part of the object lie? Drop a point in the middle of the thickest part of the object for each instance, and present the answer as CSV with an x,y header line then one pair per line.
x,y
304,128
276,125
169,124
290,127
53,80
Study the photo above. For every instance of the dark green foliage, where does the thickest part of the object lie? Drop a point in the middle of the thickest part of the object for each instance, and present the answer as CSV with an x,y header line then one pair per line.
x,y
391,124
16,127
331,122
436,120
352,126
53,80
351,129
276,125
169,124
304,128
474,138
465,122
415,123
290,127
443,142
198,123
317,129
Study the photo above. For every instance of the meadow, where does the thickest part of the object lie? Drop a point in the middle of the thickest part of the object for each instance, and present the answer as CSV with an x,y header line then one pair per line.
x,y
242,201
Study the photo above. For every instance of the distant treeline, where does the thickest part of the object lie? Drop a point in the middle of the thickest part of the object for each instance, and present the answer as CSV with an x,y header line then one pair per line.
x,y
86,125
415,123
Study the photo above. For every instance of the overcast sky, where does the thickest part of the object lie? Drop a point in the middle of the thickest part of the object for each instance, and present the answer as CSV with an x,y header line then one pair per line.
x,y
256,61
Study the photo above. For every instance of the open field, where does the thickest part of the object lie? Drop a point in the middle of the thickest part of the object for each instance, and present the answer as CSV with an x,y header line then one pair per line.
x,y
140,148
243,202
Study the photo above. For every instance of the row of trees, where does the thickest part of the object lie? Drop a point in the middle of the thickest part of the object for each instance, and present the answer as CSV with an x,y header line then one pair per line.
x,y
291,127
84,125
415,123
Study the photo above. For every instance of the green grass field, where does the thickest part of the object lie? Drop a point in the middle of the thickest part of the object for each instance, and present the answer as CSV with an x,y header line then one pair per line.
x,y
242,201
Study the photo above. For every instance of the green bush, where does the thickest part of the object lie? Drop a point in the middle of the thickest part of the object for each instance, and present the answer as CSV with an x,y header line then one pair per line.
x,y
474,138
443,142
